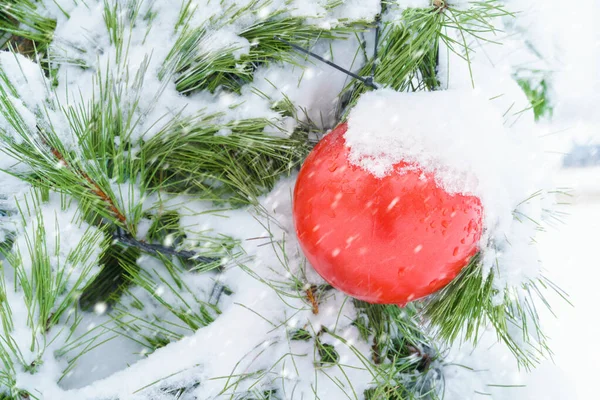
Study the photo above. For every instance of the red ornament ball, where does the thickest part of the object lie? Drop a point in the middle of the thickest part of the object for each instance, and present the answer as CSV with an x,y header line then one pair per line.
x,y
382,240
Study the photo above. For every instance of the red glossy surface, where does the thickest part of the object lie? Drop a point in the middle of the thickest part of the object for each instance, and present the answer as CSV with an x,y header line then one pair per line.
x,y
389,240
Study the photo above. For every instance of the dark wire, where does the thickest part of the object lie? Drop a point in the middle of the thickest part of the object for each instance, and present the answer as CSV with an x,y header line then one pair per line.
x,y
377,35
156,249
367,81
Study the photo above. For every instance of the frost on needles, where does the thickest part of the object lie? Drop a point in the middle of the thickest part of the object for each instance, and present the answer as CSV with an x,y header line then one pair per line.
x,y
182,124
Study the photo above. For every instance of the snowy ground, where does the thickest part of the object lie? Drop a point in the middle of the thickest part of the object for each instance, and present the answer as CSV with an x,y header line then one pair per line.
x,y
570,255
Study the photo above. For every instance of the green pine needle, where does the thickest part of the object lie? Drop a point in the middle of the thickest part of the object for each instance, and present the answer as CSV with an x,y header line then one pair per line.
x,y
47,281
537,91
470,303
192,156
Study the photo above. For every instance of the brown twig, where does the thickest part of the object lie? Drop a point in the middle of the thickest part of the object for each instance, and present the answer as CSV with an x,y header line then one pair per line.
x,y
97,190
376,357
310,295
440,5
425,359
21,45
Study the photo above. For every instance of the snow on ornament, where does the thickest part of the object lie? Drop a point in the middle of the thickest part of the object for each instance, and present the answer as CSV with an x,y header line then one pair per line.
x,y
386,216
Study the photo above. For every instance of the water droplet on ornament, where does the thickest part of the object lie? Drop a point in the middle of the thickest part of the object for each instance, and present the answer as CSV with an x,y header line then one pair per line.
x,y
455,252
471,226
433,283
445,223
418,249
335,252
462,241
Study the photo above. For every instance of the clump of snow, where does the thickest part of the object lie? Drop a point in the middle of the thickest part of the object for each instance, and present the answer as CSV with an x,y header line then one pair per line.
x,y
412,3
27,80
449,133
485,368
357,10
26,77
226,39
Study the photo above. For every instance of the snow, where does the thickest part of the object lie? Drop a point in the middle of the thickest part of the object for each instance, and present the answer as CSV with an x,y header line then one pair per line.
x,y
412,3
570,254
437,132
26,77
83,39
